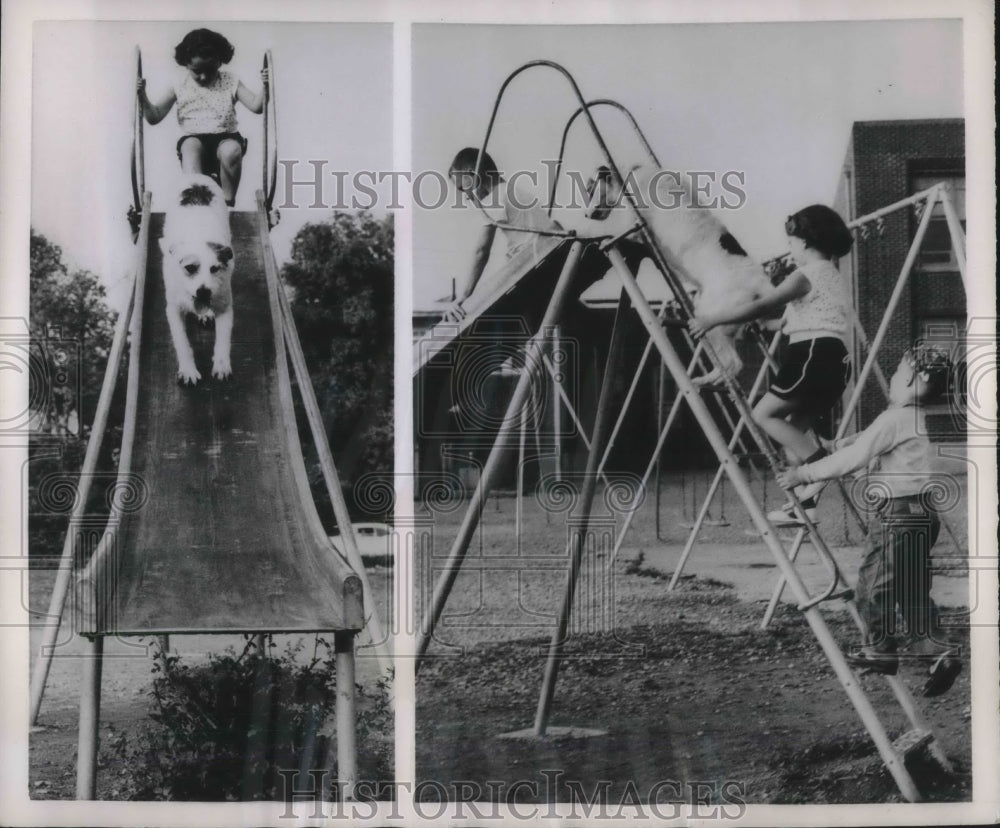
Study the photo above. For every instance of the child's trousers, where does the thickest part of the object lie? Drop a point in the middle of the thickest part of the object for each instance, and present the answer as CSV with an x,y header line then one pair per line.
x,y
896,571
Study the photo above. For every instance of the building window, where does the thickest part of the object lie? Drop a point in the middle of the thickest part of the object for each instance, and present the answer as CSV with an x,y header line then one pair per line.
x,y
937,251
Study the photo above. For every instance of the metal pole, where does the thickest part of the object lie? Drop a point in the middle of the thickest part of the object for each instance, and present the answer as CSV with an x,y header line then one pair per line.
x,y
533,349
556,407
742,487
346,714
578,536
661,387
657,449
636,378
536,425
904,697
717,480
954,230
90,720
57,602
331,478
519,477
569,409
890,308
779,586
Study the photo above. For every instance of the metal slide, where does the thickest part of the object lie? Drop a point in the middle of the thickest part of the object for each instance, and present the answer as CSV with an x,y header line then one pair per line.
x,y
491,290
214,528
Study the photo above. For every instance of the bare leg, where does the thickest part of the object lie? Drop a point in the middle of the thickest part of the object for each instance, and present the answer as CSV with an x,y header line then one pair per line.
x,y
230,169
771,413
191,156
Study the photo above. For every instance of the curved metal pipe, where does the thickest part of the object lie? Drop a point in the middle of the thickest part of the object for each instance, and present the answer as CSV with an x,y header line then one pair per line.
x,y
138,163
269,155
572,118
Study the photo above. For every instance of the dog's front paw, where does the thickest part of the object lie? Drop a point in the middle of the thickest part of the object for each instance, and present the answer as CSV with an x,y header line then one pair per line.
x,y
188,375
221,369
207,318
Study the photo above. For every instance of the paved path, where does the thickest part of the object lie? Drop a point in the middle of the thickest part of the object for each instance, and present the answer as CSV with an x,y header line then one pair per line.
x,y
752,571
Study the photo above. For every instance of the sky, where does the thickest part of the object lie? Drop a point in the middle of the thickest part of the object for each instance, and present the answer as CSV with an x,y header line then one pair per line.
x,y
333,87
771,101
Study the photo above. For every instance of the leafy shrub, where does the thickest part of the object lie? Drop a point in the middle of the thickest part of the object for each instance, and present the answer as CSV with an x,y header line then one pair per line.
x,y
224,730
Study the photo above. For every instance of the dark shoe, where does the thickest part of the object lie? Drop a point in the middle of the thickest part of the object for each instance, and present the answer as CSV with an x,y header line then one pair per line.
x,y
885,664
941,675
787,516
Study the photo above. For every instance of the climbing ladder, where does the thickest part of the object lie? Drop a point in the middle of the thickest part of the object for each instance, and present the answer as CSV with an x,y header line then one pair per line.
x,y
923,204
892,754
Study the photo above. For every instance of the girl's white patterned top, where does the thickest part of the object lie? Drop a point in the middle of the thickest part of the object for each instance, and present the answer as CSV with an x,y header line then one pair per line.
x,y
207,109
823,310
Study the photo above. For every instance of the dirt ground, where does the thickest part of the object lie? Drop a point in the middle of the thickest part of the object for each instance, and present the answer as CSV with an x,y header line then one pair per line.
x,y
691,699
126,682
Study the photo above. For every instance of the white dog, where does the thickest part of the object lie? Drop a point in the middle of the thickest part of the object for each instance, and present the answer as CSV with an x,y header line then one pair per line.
x,y
696,246
197,272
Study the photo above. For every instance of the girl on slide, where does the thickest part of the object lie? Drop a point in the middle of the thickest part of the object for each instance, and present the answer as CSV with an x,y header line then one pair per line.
x,y
206,95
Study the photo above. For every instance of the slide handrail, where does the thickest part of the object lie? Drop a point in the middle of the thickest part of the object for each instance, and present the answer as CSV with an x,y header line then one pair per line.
x,y
269,156
138,161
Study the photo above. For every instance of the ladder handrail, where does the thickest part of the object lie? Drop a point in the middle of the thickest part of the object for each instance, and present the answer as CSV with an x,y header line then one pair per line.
x,y
565,136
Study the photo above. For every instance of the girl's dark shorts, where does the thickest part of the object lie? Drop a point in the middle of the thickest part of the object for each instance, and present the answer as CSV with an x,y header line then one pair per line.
x,y
210,148
814,373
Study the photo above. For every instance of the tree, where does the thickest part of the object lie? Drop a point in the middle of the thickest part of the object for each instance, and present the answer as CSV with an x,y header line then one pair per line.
x,y
341,280
71,330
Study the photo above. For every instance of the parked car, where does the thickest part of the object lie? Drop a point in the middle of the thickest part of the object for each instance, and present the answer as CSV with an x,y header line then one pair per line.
x,y
374,543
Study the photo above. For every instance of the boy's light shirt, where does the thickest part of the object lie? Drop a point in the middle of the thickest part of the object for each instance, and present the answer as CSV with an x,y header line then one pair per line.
x,y
515,204
894,448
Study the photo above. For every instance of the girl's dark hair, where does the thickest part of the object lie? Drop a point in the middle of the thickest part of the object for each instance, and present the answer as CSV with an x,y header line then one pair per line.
x,y
821,229
465,159
203,43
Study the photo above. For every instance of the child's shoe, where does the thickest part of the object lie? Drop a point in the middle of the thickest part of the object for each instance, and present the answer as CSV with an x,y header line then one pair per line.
x,y
942,674
872,661
787,516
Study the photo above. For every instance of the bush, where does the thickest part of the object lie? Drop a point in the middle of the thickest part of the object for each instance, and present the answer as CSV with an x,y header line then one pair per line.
x,y
224,730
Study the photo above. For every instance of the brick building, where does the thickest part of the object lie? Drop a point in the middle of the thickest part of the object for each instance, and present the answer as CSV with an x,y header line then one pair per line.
x,y
887,161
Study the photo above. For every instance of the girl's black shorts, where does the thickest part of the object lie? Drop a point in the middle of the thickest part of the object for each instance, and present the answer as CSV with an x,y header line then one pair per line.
x,y
210,148
813,373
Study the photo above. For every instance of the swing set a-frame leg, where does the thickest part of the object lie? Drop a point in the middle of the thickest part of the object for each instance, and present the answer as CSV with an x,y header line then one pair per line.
x,y
578,539
533,360
892,760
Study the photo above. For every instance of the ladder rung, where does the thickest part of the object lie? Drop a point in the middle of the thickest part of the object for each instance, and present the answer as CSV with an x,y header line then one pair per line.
x,y
911,741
